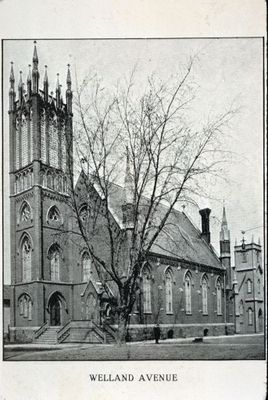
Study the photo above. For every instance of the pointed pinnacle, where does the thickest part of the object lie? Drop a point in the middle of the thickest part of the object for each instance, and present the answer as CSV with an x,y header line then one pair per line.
x,y
20,80
58,82
224,219
35,56
45,75
68,80
11,77
29,77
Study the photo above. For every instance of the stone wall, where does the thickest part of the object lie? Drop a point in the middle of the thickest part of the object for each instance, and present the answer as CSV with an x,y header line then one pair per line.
x,y
145,332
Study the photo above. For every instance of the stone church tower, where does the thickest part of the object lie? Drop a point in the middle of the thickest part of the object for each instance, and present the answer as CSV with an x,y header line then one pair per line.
x,y
40,163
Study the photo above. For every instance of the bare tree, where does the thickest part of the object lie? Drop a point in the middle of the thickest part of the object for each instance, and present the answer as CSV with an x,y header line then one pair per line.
x,y
165,158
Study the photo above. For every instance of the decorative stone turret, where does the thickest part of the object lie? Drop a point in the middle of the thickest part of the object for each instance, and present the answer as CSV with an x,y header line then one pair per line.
x,y
12,93
225,248
69,94
35,72
46,85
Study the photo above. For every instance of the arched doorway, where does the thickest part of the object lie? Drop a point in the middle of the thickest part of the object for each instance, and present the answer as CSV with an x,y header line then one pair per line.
x,y
55,309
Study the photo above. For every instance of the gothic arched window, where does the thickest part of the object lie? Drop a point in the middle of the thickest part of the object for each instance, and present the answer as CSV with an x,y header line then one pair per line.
x,y
205,295
188,294
25,306
49,180
86,267
250,316
64,184
249,286
241,308
146,285
54,256
25,213
168,281
218,295
26,253
84,213
54,214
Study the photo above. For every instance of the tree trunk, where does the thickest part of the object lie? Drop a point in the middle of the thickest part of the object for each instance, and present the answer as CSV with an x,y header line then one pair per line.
x,y
122,329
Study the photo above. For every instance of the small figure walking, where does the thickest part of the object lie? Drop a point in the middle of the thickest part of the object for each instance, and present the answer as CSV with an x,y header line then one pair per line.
x,y
157,333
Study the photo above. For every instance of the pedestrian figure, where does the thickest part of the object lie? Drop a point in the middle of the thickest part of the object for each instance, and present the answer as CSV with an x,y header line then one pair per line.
x,y
156,333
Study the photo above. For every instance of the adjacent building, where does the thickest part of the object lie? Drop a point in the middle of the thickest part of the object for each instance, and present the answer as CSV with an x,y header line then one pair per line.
x,y
248,282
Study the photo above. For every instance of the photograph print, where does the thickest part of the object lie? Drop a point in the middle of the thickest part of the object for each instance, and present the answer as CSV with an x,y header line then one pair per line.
x,y
133,199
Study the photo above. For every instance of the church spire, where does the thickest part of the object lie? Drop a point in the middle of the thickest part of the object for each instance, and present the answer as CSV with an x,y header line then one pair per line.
x,y
12,93
69,94
35,72
225,249
128,186
128,202
224,233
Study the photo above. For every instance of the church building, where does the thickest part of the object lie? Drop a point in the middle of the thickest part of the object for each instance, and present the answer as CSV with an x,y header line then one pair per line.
x,y
55,293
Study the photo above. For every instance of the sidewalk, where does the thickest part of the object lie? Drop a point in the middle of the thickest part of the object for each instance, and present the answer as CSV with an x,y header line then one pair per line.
x,y
60,346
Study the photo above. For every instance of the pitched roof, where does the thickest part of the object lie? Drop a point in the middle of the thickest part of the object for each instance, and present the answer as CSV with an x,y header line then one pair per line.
x,y
179,239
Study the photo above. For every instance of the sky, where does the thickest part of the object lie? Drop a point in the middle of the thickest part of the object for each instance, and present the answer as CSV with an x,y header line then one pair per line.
x,y
227,71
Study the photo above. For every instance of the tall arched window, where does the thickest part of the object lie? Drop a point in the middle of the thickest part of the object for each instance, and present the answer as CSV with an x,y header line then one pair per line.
x,y
250,316
218,294
86,267
26,253
205,295
25,213
188,294
249,286
84,213
241,308
54,256
146,286
25,306
168,281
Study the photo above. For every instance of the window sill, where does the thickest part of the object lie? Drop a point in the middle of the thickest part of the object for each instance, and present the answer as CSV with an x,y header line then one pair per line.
x,y
205,314
169,313
147,312
188,313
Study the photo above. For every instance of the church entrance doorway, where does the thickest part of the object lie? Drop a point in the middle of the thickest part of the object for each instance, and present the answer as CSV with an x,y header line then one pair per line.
x,y
55,310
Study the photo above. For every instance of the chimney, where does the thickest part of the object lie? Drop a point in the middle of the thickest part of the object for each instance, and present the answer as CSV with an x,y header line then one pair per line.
x,y
205,223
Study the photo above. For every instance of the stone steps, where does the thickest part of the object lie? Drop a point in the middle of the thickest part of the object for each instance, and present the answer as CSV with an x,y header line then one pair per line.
x,y
49,336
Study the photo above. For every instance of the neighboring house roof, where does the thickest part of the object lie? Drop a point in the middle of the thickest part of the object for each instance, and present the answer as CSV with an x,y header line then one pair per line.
x,y
179,239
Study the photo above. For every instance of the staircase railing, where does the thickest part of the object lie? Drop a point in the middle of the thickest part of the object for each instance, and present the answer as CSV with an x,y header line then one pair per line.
x,y
99,331
41,330
64,332
111,331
